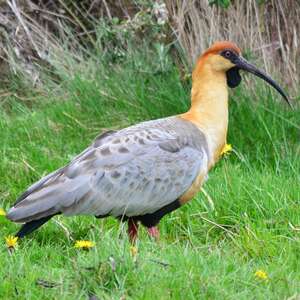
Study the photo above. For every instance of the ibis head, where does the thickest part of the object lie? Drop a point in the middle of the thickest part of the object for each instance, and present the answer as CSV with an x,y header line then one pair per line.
x,y
226,56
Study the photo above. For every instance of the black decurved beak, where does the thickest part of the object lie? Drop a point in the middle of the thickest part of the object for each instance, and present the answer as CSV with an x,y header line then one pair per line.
x,y
242,64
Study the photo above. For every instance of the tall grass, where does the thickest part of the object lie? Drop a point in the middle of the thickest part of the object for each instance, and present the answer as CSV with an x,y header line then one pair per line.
x,y
266,31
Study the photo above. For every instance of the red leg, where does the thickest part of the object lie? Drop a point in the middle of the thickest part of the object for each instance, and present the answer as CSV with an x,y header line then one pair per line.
x,y
154,232
133,227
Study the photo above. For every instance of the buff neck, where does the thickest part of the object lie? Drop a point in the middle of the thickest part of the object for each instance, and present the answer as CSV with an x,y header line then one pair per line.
x,y
209,107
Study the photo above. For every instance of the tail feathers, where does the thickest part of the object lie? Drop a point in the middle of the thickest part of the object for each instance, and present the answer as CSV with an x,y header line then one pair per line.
x,y
32,225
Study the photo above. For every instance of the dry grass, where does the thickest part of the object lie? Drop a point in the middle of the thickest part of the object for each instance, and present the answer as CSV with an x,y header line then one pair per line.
x,y
39,33
270,30
58,34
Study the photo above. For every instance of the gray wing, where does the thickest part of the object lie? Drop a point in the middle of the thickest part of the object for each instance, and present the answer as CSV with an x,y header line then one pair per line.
x,y
134,171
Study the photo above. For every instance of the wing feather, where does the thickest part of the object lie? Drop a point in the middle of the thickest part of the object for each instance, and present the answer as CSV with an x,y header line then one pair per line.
x,y
134,171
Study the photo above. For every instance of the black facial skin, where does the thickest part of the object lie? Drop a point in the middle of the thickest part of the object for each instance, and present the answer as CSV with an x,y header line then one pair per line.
x,y
234,78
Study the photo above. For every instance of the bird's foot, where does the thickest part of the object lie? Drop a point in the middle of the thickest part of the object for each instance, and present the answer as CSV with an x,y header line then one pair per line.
x,y
153,232
133,227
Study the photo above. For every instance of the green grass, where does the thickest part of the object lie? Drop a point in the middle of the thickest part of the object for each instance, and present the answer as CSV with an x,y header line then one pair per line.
x,y
248,220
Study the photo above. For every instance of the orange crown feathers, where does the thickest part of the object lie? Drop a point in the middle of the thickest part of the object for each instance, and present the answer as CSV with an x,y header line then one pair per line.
x,y
214,49
219,46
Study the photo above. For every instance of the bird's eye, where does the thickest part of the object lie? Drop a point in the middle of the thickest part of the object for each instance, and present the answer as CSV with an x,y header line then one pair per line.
x,y
227,54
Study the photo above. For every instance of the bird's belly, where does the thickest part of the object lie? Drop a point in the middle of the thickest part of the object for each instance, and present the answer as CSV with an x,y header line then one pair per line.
x,y
194,188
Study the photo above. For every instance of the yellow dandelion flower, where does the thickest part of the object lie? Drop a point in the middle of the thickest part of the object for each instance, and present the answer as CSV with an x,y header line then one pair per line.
x,y
133,251
85,245
2,212
11,241
226,149
187,76
260,274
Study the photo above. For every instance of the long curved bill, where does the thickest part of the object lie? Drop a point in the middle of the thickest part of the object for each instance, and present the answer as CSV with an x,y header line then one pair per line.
x,y
244,65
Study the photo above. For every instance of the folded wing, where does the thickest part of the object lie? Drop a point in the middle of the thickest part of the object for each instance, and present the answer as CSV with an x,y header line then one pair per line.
x,y
132,172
